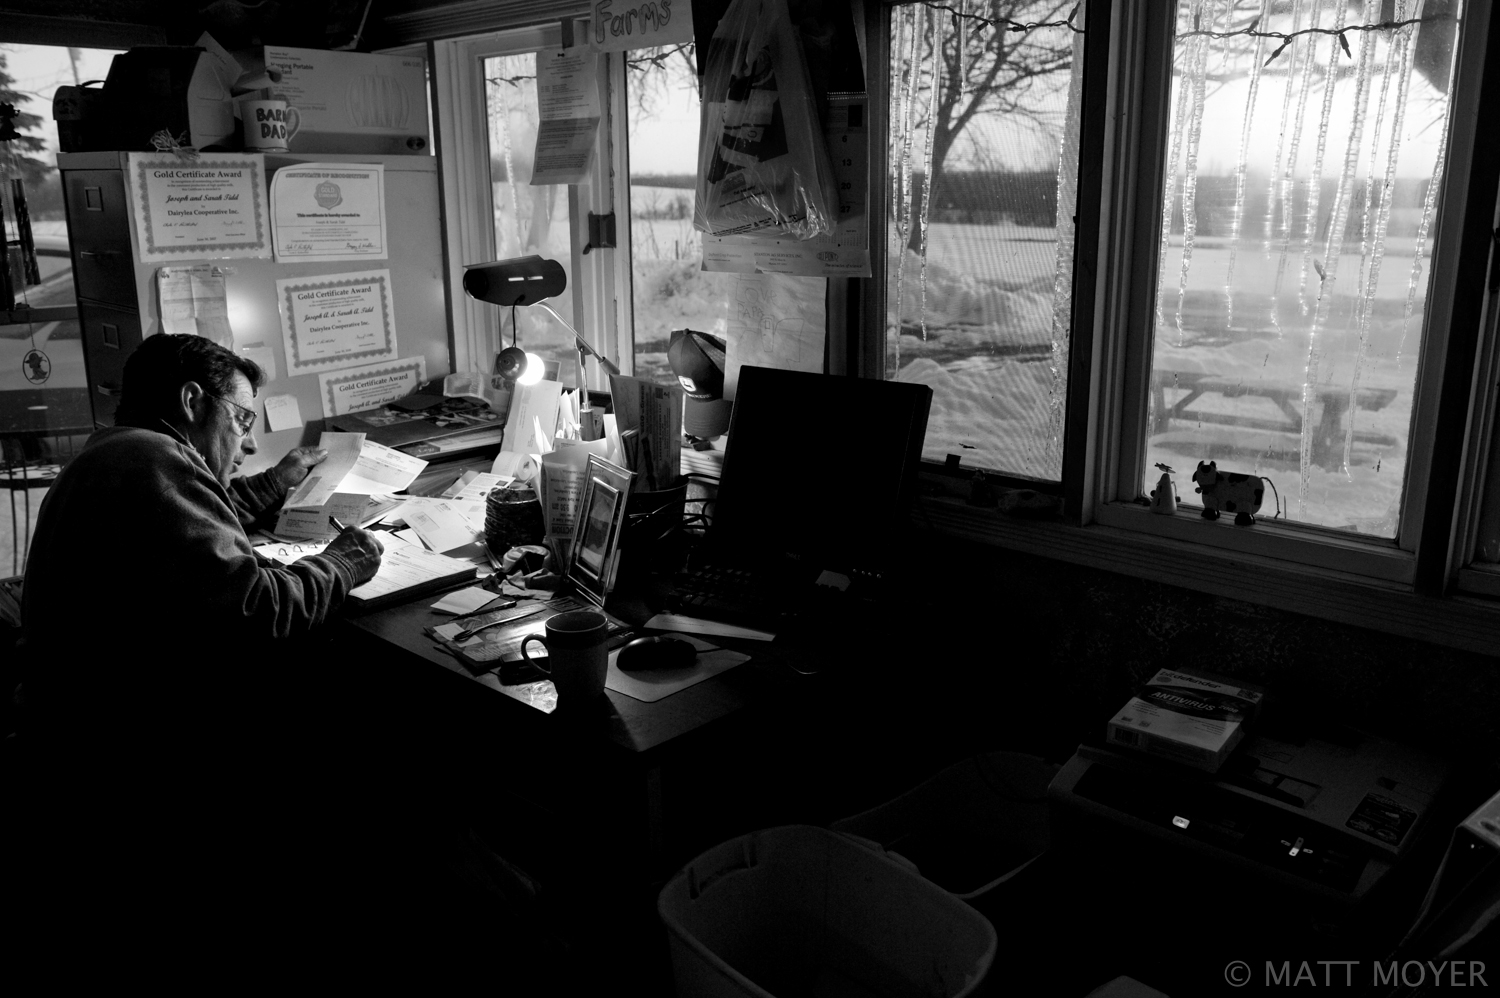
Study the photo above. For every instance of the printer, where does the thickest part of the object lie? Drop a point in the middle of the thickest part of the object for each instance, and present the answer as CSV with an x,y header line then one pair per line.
x,y
1325,813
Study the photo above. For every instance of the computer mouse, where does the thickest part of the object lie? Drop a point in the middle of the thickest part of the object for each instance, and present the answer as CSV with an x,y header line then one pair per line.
x,y
659,651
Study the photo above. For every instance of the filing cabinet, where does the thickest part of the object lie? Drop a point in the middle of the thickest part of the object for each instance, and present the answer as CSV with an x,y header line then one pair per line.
x,y
104,272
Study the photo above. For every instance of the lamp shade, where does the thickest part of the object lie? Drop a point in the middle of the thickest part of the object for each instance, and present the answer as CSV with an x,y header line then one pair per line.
x,y
522,280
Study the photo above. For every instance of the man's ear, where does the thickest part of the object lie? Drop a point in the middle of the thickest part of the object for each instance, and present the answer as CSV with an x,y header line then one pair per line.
x,y
192,404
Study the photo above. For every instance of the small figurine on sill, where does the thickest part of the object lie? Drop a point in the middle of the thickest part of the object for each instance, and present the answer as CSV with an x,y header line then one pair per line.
x,y
1164,496
1230,492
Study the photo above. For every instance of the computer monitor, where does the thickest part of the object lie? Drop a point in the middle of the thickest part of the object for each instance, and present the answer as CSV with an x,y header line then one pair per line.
x,y
819,471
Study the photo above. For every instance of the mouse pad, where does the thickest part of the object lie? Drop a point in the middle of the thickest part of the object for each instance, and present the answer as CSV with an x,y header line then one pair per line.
x,y
659,683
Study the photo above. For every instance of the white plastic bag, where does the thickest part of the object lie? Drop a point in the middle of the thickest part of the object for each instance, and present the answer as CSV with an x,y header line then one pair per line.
x,y
762,166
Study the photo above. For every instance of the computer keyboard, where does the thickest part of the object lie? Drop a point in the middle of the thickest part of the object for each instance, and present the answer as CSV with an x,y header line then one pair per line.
x,y
735,596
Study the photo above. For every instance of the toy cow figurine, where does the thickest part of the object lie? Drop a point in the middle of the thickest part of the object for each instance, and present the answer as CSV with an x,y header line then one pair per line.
x,y
1232,493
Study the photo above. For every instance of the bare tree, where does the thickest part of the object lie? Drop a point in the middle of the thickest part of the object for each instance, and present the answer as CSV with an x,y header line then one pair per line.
x,y
993,59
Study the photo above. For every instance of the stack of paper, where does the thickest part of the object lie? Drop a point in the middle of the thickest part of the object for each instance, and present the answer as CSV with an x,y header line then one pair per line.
x,y
353,483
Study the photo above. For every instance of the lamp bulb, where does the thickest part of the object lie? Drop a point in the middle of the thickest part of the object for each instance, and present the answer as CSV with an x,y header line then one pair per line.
x,y
533,372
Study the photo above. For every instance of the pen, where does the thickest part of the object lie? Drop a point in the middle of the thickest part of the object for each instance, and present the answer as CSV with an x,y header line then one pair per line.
x,y
334,522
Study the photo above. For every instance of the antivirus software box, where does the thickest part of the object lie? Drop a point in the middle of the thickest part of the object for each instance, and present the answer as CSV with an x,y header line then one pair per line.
x,y
1190,717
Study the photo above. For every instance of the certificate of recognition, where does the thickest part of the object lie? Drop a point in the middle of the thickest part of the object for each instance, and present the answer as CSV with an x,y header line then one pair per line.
x,y
329,211
336,320
213,206
370,386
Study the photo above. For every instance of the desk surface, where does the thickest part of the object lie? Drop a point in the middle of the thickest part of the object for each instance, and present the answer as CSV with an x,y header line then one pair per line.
x,y
630,724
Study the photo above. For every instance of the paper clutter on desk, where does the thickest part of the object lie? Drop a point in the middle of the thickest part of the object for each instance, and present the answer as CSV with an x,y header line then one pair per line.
x,y
470,600
354,464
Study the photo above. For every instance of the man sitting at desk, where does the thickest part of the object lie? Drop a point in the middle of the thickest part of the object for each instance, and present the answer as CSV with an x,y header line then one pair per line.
x,y
163,700
153,498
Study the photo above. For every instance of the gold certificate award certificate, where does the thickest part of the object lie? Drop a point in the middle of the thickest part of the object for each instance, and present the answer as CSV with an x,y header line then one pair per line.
x,y
370,386
336,320
209,207
329,211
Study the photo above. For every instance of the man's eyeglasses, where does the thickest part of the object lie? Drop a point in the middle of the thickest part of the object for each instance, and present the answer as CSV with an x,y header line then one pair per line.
x,y
244,420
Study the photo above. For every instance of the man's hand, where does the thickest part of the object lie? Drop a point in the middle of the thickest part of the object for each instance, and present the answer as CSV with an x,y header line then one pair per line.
x,y
291,469
362,549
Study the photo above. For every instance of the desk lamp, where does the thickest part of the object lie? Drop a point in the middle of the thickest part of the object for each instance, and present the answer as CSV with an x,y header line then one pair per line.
x,y
527,280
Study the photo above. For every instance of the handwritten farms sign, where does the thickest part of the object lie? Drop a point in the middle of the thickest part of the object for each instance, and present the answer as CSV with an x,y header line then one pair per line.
x,y
633,24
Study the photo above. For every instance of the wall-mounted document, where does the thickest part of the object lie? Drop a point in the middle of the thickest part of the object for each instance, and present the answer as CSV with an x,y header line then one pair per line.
x,y
567,95
282,412
210,207
336,320
774,321
329,211
192,300
370,386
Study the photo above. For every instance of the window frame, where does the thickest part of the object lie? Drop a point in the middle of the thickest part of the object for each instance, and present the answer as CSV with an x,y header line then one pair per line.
x,y
1385,584
469,235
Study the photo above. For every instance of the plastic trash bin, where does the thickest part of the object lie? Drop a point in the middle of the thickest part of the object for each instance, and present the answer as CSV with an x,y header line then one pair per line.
x,y
971,827
801,911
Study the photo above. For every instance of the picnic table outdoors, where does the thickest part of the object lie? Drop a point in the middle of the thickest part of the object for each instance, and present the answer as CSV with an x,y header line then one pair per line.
x,y
1332,403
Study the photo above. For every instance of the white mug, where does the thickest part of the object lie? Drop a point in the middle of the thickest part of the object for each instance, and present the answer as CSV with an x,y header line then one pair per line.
x,y
268,125
577,656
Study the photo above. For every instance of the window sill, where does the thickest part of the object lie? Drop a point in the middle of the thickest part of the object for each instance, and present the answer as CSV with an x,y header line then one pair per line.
x,y
1315,590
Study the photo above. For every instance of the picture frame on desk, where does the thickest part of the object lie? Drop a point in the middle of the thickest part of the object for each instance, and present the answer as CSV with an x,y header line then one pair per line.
x,y
593,557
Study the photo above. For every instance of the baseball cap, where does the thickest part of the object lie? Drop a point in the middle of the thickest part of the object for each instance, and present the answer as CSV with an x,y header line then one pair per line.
x,y
698,361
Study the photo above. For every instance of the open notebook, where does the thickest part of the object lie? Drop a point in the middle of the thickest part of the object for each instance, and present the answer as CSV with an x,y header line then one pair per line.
x,y
407,571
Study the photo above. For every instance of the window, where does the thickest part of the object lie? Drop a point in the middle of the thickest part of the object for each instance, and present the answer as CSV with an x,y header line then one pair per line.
x,y
1299,199
983,171
529,220
669,288
1282,232
44,407
1290,222
486,110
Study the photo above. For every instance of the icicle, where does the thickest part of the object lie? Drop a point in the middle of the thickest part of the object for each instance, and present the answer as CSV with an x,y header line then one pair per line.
x,y
1429,202
1238,214
1199,81
1169,179
1274,184
510,169
925,208
1062,275
1315,182
1399,55
1333,247
1309,50
961,22
906,128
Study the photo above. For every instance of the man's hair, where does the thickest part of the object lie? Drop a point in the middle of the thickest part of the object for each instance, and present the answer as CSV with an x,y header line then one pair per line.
x,y
162,364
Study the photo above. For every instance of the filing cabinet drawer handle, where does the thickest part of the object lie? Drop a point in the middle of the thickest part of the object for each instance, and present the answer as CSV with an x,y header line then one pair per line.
x,y
99,252
107,391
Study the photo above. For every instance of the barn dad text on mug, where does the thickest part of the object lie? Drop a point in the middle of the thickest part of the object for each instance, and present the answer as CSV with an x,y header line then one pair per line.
x,y
268,125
